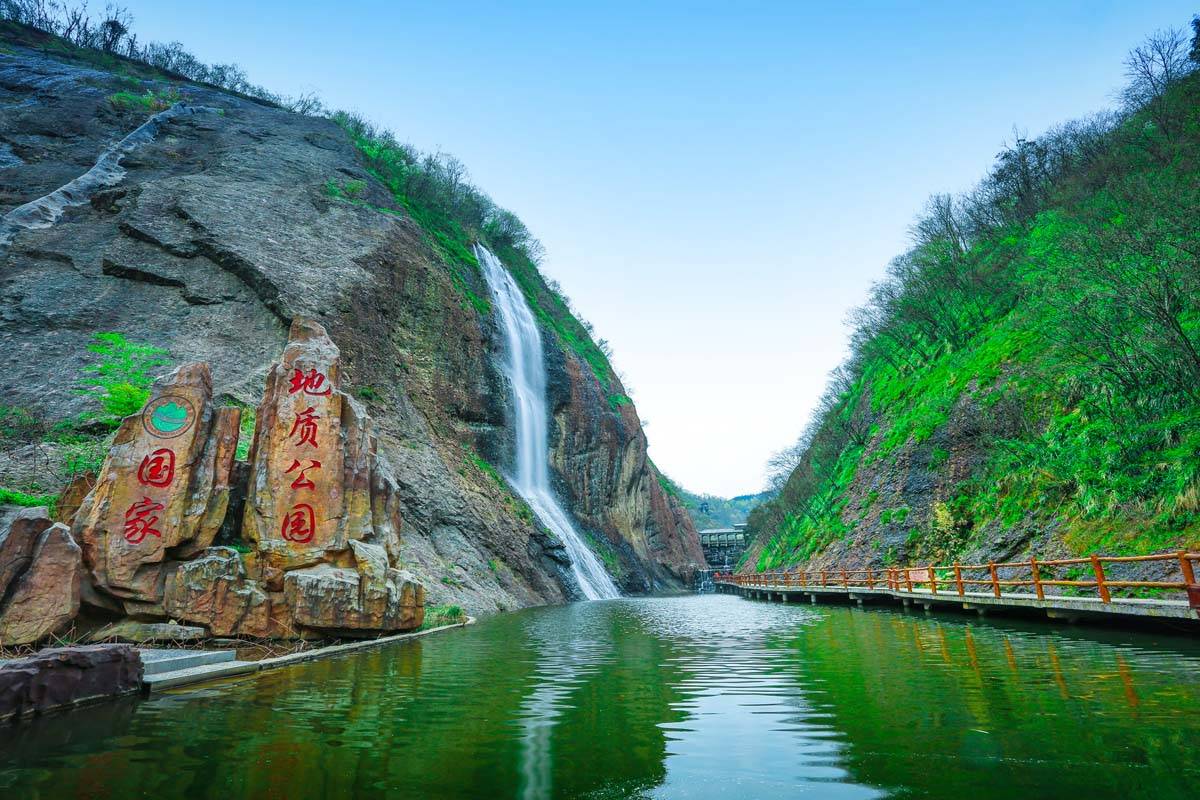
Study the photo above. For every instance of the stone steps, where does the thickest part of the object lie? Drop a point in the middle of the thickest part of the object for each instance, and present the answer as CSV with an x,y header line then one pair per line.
x,y
159,681
158,662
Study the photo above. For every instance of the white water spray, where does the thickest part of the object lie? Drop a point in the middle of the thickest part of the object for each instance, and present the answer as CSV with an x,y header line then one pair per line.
x,y
527,376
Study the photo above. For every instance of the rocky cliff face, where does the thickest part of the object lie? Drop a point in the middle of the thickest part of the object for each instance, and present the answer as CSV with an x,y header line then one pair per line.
x,y
215,230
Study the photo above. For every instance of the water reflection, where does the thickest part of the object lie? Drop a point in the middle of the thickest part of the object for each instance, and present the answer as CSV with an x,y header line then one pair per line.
x,y
683,697
564,659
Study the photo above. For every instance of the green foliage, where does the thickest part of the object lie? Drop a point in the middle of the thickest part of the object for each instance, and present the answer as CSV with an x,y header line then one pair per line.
x,y
665,483
84,454
615,401
472,460
19,424
245,433
367,393
12,497
607,555
149,102
433,190
437,616
553,310
347,190
1059,303
120,380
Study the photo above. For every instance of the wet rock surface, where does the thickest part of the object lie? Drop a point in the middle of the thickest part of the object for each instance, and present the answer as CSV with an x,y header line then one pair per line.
x,y
63,677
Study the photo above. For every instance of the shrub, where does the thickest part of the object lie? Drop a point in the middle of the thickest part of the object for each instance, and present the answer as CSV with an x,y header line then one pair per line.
x,y
120,380
150,102
12,497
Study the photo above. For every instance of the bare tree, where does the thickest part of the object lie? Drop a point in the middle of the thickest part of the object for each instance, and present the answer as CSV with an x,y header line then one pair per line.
x,y
1152,68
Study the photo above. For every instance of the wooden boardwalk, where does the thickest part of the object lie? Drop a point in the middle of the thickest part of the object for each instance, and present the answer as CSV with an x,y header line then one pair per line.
x,y
1003,587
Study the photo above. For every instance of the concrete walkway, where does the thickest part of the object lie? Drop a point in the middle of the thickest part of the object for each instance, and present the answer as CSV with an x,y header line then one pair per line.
x,y
174,669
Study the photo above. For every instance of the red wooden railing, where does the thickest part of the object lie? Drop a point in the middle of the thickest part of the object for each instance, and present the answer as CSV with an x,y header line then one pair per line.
x,y
963,578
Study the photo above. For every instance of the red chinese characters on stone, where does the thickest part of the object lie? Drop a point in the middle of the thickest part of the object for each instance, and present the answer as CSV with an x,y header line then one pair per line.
x,y
158,468
310,383
305,427
299,524
140,520
302,481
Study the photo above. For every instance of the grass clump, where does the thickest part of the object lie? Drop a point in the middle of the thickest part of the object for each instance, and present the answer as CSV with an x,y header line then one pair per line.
x,y
149,102
13,497
437,616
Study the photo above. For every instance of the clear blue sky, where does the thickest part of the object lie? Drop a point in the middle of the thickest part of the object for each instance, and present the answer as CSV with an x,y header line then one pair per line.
x,y
716,184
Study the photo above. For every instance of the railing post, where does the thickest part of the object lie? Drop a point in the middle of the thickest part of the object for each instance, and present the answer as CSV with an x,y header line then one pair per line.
x,y
995,578
1189,580
870,578
908,579
845,580
1037,578
932,581
1098,568
823,577
958,579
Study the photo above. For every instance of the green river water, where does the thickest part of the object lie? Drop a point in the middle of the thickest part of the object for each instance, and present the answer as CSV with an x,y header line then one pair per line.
x,y
689,697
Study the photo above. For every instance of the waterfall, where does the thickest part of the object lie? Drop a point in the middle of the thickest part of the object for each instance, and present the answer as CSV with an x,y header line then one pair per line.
x,y
527,376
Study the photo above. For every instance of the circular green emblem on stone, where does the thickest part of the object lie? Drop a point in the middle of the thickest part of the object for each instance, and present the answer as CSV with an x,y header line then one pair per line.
x,y
169,416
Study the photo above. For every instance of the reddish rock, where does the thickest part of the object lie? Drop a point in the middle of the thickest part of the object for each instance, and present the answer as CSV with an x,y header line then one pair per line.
x,y
67,676
72,497
215,591
164,487
44,598
316,482
372,597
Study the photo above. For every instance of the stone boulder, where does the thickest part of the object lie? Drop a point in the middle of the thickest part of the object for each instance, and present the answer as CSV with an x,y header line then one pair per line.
x,y
342,600
72,497
19,531
163,489
67,676
316,482
41,569
214,590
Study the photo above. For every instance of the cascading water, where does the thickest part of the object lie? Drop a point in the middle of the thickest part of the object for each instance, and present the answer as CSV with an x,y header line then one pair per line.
x,y
527,376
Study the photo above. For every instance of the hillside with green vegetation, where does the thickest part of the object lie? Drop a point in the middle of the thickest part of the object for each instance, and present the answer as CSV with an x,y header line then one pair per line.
x,y
711,511
1026,378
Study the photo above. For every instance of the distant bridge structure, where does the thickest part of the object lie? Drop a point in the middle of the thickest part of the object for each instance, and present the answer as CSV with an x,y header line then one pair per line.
x,y
724,546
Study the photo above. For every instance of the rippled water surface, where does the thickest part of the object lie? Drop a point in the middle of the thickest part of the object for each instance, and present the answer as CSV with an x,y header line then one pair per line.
x,y
709,696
